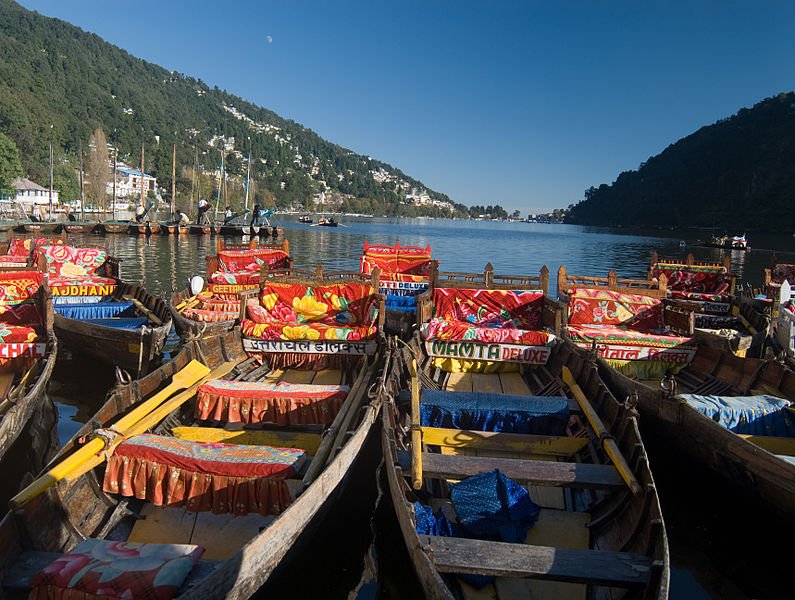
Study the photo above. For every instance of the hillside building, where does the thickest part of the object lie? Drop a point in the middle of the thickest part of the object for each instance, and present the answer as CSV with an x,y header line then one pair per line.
x,y
129,181
29,193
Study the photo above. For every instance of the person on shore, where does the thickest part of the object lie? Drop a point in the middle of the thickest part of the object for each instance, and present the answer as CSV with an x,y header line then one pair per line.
x,y
204,206
255,215
228,215
70,216
139,214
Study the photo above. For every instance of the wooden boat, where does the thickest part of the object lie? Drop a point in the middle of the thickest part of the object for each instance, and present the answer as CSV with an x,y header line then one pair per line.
x,y
99,315
112,227
775,276
235,267
138,228
760,463
197,229
405,272
241,551
78,226
736,242
38,227
25,364
16,253
324,222
168,228
152,227
721,317
591,525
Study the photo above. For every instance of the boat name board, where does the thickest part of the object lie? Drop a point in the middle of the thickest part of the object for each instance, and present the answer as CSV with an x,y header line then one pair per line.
x,y
616,352
410,286
309,346
469,350
83,290
226,288
15,349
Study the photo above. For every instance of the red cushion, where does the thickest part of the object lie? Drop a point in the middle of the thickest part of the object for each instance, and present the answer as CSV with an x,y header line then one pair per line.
x,y
451,330
305,331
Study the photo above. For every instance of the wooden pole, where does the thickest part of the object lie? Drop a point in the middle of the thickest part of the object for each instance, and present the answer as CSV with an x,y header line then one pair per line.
x,y
173,177
143,199
416,429
608,443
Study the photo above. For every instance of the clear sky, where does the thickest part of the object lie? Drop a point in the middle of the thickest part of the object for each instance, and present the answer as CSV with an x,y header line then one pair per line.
x,y
524,104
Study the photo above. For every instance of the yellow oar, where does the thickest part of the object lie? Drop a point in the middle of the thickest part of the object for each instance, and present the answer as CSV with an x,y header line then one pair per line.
x,y
184,304
416,430
736,312
609,444
155,417
187,376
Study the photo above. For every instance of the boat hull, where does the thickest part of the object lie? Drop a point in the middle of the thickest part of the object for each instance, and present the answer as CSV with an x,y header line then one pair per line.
x,y
186,326
741,463
135,351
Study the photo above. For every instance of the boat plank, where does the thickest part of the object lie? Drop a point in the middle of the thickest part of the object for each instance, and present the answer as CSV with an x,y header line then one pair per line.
x,y
223,535
486,382
328,377
459,382
598,567
512,442
161,525
297,376
577,475
514,384
280,439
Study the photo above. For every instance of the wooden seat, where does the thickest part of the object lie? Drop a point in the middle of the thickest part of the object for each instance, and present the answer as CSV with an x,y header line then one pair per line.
x,y
596,567
575,475
520,443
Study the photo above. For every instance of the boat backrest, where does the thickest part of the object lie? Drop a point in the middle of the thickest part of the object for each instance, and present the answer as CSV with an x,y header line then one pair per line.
x,y
18,286
69,261
24,246
594,306
691,276
397,260
490,308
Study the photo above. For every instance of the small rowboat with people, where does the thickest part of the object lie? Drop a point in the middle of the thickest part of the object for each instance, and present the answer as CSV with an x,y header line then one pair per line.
x,y
722,318
200,488
99,315
513,470
27,356
737,242
213,307
405,272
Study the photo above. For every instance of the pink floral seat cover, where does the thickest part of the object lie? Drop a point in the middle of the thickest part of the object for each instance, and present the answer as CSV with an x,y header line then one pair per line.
x,y
625,327
20,248
235,261
97,569
491,316
248,278
695,282
74,271
21,326
290,311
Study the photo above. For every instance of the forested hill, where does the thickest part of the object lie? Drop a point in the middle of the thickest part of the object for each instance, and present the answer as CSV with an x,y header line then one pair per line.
x,y
59,83
736,174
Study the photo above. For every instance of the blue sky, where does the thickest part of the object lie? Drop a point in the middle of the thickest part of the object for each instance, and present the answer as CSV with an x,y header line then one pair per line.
x,y
524,104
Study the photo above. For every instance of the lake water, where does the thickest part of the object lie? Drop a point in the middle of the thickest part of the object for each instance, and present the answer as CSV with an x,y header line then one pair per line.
x,y
718,540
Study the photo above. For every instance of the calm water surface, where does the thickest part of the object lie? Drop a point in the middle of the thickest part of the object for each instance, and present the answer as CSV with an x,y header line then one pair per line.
x,y
707,562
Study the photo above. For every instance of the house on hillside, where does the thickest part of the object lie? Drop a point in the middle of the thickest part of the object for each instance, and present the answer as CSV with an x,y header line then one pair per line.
x,y
129,181
29,193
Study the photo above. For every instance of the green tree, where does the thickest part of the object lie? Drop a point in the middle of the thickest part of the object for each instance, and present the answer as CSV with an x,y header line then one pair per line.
x,y
10,165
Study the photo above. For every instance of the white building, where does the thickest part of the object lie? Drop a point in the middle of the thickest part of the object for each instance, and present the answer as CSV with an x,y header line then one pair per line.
x,y
30,193
128,183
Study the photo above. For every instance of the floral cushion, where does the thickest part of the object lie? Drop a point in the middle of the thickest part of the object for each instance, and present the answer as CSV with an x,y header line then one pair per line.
x,y
409,260
18,286
489,308
106,569
306,331
443,329
700,296
82,286
605,307
352,304
694,278
68,261
209,315
252,260
23,246
17,333
250,278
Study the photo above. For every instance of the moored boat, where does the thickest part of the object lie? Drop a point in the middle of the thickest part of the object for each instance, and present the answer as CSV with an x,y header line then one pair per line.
x,y
512,469
78,226
197,229
734,415
38,227
27,354
247,497
97,314
405,272
737,242
215,308
104,227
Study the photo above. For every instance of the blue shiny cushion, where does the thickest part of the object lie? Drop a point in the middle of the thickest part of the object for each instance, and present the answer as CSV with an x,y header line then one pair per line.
x,y
540,415
754,415
125,323
94,310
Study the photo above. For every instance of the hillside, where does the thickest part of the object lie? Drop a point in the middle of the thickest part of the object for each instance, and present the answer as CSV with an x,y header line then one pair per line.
x,y
736,174
59,83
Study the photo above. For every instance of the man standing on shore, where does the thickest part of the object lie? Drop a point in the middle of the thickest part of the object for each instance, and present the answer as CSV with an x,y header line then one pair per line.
x,y
204,206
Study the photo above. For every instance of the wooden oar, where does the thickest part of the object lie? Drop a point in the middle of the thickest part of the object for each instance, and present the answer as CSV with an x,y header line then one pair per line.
x,y
187,376
184,304
609,444
147,313
153,418
416,430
